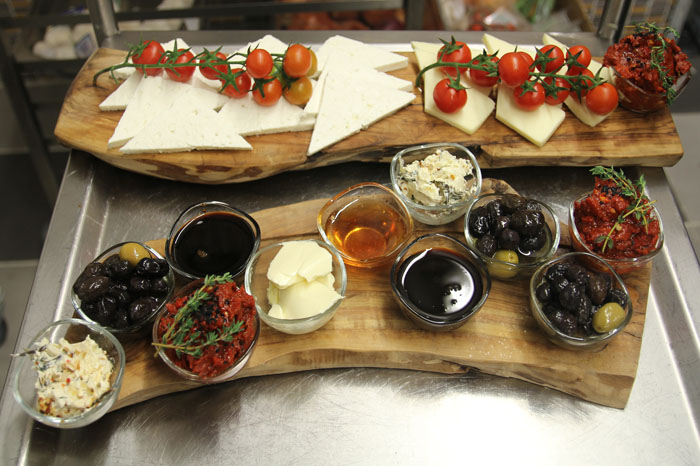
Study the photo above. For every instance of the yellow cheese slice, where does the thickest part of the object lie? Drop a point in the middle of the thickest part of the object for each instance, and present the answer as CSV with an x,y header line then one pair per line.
x,y
536,126
494,44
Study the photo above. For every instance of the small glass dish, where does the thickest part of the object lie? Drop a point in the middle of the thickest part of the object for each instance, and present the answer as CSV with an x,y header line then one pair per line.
x,y
141,327
595,341
366,223
452,208
621,266
210,238
73,330
638,100
228,373
438,282
257,283
526,265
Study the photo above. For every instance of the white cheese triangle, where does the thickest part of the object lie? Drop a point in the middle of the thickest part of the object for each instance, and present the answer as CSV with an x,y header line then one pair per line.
x,y
374,57
267,42
122,95
245,117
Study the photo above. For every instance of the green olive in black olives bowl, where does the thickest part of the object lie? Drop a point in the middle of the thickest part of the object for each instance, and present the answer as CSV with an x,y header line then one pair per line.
x,y
577,306
123,289
512,234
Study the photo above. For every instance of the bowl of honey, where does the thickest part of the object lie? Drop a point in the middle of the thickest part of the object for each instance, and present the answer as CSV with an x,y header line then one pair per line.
x,y
366,223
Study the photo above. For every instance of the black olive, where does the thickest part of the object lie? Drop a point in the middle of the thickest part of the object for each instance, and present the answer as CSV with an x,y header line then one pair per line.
x,y
558,284
570,296
142,308
568,324
583,311
532,205
577,273
108,304
555,271
148,267
90,309
95,268
139,285
110,259
556,316
494,209
120,319
164,267
512,202
527,222
160,287
120,269
544,292
530,244
616,296
101,315
487,245
92,288
598,287
550,309
508,239
500,223
478,222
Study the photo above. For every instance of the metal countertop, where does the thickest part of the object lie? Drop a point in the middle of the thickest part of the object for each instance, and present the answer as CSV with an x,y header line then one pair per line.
x,y
361,416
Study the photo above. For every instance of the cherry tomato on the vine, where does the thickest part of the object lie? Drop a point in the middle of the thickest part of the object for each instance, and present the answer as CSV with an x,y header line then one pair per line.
x,y
150,55
243,83
297,61
513,69
559,95
270,94
447,98
529,100
554,59
314,64
481,77
258,63
583,84
181,74
527,57
213,71
299,91
583,57
460,54
602,99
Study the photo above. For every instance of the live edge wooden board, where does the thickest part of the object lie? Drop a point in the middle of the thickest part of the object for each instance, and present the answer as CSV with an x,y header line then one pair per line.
x,y
624,138
369,330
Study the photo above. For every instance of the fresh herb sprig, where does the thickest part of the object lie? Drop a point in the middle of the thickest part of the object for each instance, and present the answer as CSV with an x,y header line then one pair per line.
x,y
658,54
640,206
179,335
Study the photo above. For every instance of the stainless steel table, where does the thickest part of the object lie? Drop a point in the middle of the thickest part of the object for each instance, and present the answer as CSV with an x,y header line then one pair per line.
x,y
361,416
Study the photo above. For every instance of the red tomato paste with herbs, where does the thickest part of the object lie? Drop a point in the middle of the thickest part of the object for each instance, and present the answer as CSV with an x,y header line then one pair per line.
x,y
596,215
228,304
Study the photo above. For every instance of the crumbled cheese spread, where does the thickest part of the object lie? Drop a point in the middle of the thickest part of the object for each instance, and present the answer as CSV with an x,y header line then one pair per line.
x,y
439,179
71,376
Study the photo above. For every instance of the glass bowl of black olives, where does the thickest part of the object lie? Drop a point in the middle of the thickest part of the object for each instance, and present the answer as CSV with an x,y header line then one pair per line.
x,y
123,289
512,234
577,306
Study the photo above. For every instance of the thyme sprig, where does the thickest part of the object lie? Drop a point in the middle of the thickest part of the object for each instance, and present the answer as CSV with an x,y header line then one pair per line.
x,y
640,206
179,335
658,54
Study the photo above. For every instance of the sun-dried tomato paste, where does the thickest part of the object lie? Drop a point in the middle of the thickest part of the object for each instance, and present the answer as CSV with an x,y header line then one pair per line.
x,y
228,304
596,215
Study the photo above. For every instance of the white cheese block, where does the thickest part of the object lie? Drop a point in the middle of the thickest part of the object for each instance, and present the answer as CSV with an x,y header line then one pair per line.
x,y
297,261
267,42
245,117
536,126
349,106
374,57
122,95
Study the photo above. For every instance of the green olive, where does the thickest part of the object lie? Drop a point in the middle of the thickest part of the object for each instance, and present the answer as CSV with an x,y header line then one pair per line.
x,y
608,317
133,253
503,270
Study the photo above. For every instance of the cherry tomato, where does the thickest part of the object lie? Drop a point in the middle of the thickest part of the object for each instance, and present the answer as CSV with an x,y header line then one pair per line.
x,y
512,69
150,55
297,61
213,71
582,54
242,81
272,91
559,95
461,54
553,61
447,98
602,99
583,85
314,64
481,77
181,74
529,100
528,58
258,63
299,91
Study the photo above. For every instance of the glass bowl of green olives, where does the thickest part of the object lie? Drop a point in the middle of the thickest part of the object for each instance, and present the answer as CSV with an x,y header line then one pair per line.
x,y
123,289
577,306
512,234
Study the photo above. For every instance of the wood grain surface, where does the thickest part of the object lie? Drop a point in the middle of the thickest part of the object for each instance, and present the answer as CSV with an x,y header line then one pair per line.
x,y
625,138
369,330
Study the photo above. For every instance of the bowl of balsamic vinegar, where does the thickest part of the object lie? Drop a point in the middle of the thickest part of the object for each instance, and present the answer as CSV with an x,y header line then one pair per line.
x,y
438,282
212,238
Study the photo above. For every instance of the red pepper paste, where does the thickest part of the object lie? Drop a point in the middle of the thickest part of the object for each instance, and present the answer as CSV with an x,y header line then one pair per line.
x,y
596,215
228,304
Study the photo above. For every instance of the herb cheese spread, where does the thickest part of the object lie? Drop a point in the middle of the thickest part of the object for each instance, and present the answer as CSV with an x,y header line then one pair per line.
x,y
439,179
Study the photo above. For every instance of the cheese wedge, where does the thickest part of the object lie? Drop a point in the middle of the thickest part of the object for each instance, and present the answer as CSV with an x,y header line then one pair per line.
x,y
494,44
479,105
267,42
536,126
122,95
373,56
245,117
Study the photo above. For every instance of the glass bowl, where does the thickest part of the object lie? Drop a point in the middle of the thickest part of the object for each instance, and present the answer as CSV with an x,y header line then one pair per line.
x,y
73,330
366,223
621,266
438,282
638,100
165,356
257,283
210,238
142,327
526,265
595,341
452,208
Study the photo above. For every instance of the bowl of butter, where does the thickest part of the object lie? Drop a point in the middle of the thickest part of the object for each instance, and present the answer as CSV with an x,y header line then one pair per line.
x,y
297,285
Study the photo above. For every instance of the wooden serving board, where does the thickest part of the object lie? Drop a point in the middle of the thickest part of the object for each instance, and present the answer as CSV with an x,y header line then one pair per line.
x,y
625,138
369,330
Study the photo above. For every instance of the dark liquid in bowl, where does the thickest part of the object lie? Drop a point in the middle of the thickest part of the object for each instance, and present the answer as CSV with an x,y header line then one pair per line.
x,y
213,243
440,282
